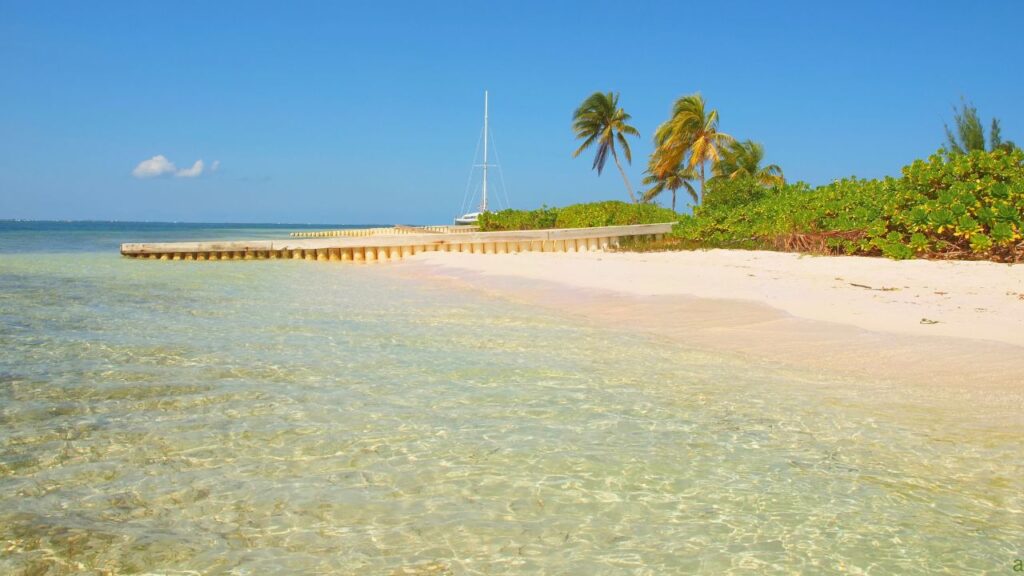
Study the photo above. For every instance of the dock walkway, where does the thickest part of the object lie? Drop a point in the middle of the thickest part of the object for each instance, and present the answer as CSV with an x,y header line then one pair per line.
x,y
382,247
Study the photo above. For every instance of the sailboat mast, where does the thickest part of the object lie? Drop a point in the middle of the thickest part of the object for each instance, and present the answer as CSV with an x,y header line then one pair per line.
x,y
483,195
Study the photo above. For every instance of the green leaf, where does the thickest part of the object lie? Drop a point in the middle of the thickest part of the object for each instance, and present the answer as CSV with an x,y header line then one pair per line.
x,y
981,243
1002,233
919,242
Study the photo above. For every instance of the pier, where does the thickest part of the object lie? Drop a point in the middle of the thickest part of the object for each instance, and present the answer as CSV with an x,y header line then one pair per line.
x,y
382,246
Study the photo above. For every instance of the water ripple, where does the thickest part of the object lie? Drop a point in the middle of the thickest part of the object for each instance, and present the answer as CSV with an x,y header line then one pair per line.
x,y
282,418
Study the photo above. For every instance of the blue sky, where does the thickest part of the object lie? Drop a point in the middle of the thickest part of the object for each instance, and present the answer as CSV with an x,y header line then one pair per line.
x,y
363,112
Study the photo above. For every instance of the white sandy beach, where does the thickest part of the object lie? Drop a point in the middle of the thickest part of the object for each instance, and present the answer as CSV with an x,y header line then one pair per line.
x,y
922,320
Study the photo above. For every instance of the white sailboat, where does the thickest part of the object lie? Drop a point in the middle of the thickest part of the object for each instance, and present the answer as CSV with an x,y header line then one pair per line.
x,y
472,217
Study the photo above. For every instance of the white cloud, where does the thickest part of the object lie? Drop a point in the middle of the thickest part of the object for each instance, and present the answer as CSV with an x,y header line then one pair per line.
x,y
156,166
192,172
159,165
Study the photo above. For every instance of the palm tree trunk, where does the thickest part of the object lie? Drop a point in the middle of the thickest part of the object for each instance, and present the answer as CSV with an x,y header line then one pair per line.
x,y
702,182
673,200
624,179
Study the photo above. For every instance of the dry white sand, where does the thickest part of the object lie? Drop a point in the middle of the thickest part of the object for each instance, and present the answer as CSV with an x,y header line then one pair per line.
x,y
920,320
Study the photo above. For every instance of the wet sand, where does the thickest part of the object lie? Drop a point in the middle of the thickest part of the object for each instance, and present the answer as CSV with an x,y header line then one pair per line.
x,y
948,323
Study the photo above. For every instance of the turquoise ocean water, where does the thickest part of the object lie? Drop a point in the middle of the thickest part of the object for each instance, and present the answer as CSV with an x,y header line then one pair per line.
x,y
292,417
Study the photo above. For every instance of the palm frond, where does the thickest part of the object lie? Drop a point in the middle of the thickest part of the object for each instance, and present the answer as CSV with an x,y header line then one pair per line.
x,y
691,191
625,147
586,144
602,156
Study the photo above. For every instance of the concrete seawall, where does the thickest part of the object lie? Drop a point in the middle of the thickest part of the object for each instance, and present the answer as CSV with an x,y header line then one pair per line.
x,y
381,247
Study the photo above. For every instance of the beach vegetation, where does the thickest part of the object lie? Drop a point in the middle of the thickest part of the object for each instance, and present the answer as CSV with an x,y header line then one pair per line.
x,y
681,177
588,215
949,206
964,201
690,138
968,133
600,121
744,159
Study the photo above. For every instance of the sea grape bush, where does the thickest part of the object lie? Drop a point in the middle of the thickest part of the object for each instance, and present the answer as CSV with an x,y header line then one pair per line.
x,y
611,213
966,202
953,206
510,219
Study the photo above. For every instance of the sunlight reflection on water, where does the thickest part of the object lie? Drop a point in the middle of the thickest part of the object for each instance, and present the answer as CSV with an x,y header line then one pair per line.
x,y
293,417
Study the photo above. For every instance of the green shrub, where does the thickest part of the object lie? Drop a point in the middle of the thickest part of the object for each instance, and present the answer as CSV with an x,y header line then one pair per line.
x,y
954,206
539,219
730,193
611,213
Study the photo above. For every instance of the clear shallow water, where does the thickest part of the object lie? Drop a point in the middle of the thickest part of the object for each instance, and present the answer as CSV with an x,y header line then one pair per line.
x,y
286,417
18,236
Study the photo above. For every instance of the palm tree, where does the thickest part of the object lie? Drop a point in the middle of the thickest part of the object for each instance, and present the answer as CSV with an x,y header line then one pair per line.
x,y
672,181
691,130
600,120
743,159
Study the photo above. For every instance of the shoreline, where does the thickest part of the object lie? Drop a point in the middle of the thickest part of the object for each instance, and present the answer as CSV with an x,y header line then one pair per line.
x,y
819,313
